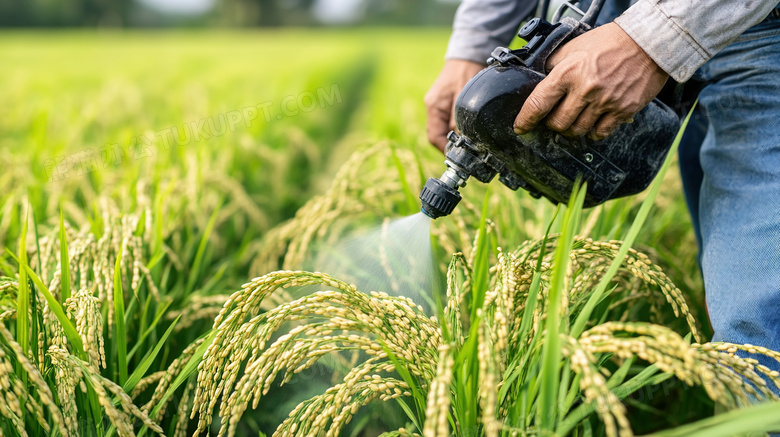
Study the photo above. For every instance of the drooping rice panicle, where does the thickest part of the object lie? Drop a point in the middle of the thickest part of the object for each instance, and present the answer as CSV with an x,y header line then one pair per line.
x,y
367,334
639,265
84,309
183,410
594,388
107,392
454,296
732,349
198,309
67,381
147,382
400,432
10,407
727,379
15,392
403,330
334,321
439,398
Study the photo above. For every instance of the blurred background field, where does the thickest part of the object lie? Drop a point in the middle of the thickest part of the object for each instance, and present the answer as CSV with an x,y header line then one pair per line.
x,y
79,106
87,118
93,115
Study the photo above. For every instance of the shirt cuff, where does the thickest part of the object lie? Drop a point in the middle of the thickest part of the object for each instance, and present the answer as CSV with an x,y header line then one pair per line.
x,y
662,38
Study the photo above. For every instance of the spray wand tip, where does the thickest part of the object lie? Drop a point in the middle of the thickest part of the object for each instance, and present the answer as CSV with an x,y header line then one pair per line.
x,y
438,199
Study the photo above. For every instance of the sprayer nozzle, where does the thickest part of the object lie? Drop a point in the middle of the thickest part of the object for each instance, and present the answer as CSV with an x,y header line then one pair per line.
x,y
438,198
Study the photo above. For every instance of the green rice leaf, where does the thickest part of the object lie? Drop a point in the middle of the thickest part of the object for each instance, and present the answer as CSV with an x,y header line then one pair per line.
x,y
64,262
412,203
23,300
140,371
481,267
140,341
70,331
549,373
189,369
119,319
760,418
648,376
533,292
420,399
195,271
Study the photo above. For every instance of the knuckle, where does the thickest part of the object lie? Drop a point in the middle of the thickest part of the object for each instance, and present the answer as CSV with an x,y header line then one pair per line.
x,y
535,106
429,99
596,135
605,131
557,123
610,106
434,98
591,85
579,129
631,107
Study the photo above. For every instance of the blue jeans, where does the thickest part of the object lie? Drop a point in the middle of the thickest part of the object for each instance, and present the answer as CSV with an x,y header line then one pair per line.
x,y
730,162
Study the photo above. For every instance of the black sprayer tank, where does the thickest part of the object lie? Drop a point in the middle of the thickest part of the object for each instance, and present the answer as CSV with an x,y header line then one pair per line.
x,y
542,161
621,165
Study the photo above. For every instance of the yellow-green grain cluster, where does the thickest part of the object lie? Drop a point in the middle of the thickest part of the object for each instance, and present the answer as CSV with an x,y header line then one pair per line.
x,y
341,319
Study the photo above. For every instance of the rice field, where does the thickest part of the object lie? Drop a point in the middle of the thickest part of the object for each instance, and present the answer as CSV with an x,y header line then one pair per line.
x,y
162,192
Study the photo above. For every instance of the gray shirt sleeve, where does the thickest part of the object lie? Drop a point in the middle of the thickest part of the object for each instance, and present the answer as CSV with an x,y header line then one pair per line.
x,y
482,25
681,36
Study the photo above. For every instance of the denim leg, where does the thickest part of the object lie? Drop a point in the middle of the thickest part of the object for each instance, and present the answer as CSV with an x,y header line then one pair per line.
x,y
739,204
611,9
690,166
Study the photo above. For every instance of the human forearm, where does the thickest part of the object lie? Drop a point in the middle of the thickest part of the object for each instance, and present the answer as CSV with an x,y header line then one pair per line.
x,y
481,25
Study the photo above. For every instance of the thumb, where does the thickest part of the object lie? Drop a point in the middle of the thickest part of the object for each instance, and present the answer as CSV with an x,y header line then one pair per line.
x,y
555,58
539,103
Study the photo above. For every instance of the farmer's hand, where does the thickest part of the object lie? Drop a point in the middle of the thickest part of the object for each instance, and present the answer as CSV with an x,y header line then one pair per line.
x,y
597,81
440,99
